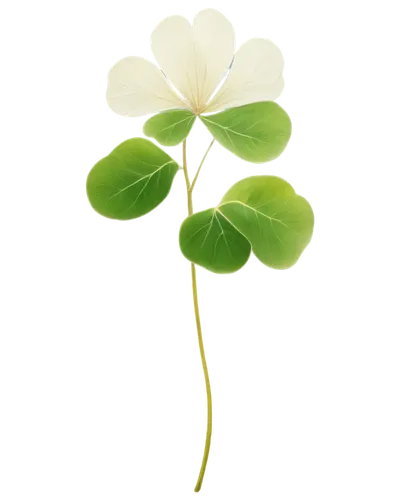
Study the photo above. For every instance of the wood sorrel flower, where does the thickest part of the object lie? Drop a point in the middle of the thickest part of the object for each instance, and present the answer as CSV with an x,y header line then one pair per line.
x,y
194,60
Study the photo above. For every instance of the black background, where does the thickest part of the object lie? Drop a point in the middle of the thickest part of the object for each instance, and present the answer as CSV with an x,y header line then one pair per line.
x,y
133,397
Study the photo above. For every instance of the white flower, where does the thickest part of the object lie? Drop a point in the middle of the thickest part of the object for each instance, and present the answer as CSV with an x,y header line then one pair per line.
x,y
194,60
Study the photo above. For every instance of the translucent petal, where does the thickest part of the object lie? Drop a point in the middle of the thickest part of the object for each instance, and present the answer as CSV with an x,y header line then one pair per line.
x,y
136,87
256,75
194,59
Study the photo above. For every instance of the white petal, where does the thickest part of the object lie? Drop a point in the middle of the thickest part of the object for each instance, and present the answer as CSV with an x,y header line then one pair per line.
x,y
136,87
194,59
255,76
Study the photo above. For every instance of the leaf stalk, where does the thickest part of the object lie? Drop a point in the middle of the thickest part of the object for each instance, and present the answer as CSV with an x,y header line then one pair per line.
x,y
194,282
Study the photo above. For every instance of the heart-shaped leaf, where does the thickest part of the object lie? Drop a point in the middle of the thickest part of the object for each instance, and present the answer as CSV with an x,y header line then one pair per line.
x,y
277,222
170,127
131,181
257,132
209,239
265,211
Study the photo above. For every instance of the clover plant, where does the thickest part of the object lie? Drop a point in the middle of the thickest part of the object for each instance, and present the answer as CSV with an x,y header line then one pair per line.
x,y
260,214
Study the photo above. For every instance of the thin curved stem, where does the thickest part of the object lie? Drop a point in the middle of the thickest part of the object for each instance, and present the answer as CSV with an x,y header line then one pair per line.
x,y
194,281
186,174
208,437
202,163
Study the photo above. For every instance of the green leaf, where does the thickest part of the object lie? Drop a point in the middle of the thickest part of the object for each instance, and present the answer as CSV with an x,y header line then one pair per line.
x,y
265,211
277,222
257,132
170,127
209,239
131,181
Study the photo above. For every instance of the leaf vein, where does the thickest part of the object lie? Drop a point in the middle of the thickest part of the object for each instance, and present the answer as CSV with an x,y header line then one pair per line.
x,y
141,179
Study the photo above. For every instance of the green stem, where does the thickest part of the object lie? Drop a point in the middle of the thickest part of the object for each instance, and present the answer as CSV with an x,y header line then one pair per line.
x,y
208,438
202,162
